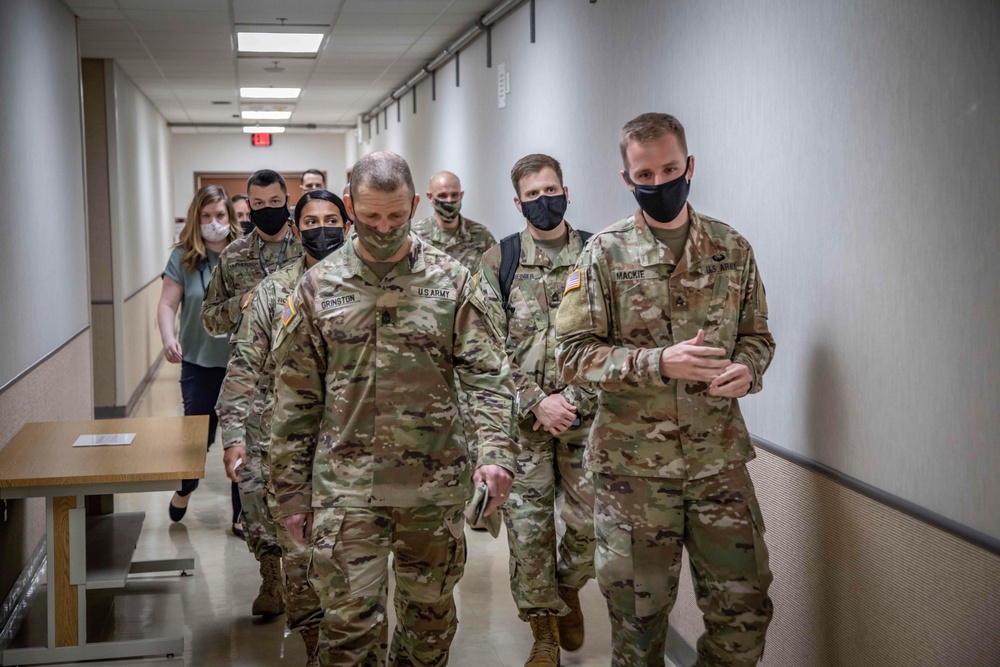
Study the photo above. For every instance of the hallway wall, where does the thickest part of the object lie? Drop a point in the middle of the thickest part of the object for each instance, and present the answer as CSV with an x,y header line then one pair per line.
x,y
853,143
290,151
131,229
45,363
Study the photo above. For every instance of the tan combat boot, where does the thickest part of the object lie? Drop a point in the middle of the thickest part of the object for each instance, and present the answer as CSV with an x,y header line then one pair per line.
x,y
545,651
269,602
310,635
571,625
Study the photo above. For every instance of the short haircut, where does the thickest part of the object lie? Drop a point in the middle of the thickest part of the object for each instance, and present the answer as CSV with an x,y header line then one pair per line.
x,y
237,198
532,164
382,172
314,171
265,177
649,127
325,195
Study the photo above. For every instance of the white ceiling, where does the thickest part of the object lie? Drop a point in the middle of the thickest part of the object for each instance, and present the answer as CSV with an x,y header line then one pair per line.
x,y
181,53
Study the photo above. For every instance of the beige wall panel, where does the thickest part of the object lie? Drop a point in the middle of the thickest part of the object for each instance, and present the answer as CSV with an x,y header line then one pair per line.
x,y
858,583
142,340
58,389
102,328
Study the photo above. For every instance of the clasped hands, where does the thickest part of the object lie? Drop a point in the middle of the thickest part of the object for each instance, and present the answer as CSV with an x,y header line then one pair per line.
x,y
691,360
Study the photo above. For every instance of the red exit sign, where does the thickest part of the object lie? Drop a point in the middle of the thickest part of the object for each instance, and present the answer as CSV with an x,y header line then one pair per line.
x,y
260,139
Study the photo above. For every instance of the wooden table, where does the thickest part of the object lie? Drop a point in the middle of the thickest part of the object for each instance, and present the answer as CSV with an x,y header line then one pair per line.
x,y
95,552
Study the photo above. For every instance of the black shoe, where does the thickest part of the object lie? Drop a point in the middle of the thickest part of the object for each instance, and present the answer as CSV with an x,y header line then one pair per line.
x,y
177,513
238,531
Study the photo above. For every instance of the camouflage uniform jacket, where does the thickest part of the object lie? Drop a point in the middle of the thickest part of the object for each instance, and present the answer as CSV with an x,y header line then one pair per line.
x,y
365,401
467,244
627,302
245,402
528,327
236,274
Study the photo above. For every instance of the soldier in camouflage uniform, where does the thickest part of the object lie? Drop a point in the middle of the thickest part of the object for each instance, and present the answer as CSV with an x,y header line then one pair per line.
x,y
242,265
248,260
447,229
671,332
246,402
553,419
465,240
367,454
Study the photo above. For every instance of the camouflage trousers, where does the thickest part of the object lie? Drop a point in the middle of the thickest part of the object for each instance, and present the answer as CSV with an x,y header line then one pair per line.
x,y
642,524
349,571
469,426
550,481
259,530
302,610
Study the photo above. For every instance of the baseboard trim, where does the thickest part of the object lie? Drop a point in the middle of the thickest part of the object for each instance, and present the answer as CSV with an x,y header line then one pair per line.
x,y
950,526
15,605
679,651
110,412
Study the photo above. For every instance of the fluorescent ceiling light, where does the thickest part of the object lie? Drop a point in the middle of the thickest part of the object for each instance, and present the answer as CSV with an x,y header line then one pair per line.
x,y
266,115
269,130
270,93
278,42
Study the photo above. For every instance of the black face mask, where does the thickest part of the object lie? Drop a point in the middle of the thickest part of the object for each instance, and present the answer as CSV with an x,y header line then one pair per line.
x,y
665,201
247,227
321,241
270,219
546,212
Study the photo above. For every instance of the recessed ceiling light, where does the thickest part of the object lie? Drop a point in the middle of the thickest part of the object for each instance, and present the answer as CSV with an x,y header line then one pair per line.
x,y
266,115
270,93
221,102
278,42
277,129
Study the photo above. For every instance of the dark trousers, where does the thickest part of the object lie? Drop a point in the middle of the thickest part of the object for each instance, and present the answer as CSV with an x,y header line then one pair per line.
x,y
200,387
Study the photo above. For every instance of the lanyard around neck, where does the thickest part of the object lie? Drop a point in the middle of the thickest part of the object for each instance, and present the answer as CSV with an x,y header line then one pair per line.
x,y
281,253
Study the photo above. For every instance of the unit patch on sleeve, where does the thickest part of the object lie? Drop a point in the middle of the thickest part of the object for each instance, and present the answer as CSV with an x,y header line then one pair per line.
x,y
573,282
288,313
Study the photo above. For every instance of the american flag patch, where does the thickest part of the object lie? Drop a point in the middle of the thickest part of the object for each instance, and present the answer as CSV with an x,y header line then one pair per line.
x,y
288,313
572,282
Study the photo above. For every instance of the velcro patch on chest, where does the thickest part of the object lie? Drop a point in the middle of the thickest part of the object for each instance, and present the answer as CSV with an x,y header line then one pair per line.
x,y
573,282
432,292
633,274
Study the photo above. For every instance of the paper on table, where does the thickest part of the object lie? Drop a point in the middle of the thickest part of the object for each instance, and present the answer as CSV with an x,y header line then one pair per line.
x,y
104,439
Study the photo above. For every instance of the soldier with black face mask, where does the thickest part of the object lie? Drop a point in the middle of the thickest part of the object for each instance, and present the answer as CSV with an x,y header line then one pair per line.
x,y
247,261
521,281
247,402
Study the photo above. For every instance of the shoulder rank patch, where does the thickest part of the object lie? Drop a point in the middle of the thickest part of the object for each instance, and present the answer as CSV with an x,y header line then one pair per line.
x,y
573,282
288,313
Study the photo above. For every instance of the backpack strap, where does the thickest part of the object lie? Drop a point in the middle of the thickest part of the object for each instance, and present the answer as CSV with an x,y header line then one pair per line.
x,y
510,257
584,236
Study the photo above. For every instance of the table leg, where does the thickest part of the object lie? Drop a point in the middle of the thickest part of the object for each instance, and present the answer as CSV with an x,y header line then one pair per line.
x,y
66,595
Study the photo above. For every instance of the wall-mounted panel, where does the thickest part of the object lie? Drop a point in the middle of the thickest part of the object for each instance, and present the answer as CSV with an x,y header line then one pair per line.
x,y
43,256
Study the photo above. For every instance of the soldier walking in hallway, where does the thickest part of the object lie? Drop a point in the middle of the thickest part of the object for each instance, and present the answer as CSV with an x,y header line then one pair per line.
x,y
521,281
247,401
367,454
242,265
666,318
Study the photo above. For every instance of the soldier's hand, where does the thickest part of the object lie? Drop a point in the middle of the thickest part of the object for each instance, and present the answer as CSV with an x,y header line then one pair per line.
x,y
690,360
498,480
229,460
173,353
734,382
554,413
299,527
